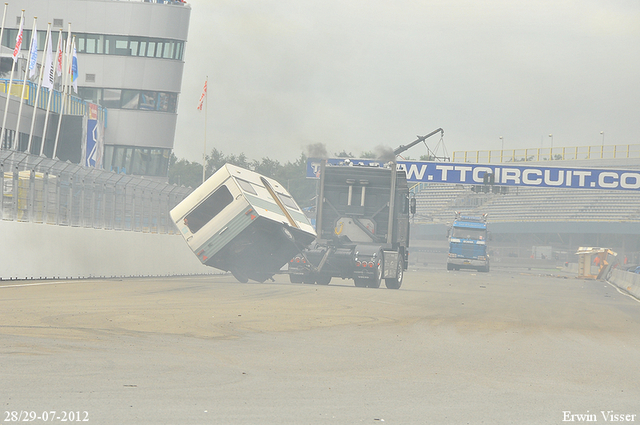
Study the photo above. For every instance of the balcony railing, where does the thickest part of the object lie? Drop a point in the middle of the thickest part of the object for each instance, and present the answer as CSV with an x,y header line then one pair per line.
x,y
74,106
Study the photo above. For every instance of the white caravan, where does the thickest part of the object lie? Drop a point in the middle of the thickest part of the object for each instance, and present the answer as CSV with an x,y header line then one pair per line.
x,y
243,222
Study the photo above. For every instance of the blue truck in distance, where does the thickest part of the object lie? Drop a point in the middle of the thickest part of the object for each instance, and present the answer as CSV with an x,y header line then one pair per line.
x,y
468,243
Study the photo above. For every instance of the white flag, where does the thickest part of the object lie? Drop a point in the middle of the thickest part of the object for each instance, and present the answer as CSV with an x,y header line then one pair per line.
x,y
47,81
16,50
33,52
74,66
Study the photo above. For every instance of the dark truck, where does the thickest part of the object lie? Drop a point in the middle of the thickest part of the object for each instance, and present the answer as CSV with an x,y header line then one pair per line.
x,y
362,223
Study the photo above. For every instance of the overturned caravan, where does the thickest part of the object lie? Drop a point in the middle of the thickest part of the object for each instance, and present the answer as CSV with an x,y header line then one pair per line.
x,y
242,222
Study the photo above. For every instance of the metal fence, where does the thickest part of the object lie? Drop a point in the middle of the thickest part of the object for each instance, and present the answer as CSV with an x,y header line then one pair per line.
x,y
42,190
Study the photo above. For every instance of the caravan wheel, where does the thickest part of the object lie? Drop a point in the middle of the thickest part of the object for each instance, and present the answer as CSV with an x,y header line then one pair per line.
x,y
240,277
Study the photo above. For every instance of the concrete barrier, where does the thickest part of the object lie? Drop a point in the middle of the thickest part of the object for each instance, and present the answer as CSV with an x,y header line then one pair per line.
x,y
628,282
43,251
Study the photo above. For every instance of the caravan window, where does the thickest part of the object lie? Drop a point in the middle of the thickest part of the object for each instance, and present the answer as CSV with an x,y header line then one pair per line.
x,y
208,209
287,201
246,186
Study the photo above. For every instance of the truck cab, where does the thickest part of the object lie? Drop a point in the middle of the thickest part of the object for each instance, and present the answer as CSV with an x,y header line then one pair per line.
x,y
468,243
362,223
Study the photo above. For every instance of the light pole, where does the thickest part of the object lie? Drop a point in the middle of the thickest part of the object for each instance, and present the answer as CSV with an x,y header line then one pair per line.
x,y
551,149
501,148
602,132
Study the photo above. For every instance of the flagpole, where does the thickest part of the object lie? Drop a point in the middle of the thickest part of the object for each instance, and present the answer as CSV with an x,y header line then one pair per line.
x,y
35,103
51,93
16,140
6,105
204,155
4,15
65,75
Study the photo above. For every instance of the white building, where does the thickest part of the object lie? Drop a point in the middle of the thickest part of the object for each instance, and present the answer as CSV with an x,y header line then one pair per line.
x,y
130,61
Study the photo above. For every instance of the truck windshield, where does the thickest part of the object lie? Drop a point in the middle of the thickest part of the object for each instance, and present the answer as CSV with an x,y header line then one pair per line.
x,y
466,233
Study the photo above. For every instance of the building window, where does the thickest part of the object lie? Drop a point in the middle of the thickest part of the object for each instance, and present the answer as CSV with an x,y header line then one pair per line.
x,y
151,49
137,160
148,101
129,99
89,94
167,102
99,44
111,98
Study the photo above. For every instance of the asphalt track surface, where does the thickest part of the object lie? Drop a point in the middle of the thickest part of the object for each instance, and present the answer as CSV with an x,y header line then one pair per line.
x,y
506,347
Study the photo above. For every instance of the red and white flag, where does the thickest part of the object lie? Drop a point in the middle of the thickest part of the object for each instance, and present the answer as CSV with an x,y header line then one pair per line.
x,y
202,96
59,55
16,51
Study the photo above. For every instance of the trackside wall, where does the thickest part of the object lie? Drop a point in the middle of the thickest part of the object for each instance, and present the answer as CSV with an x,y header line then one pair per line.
x,y
43,251
629,282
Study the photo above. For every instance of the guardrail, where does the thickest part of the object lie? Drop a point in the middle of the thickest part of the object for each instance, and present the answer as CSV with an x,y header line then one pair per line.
x,y
548,154
43,190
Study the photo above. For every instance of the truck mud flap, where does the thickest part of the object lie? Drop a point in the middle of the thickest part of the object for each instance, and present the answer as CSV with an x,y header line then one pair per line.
x,y
390,264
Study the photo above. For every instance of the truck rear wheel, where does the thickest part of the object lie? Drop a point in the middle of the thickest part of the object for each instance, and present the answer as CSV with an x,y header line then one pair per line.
x,y
323,280
360,283
293,278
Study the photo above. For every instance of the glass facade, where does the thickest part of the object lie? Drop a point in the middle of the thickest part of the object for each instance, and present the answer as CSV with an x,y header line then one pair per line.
x,y
130,99
131,46
137,160
99,44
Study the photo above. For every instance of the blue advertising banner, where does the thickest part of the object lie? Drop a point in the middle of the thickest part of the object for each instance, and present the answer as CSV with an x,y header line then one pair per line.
x,y
91,143
502,174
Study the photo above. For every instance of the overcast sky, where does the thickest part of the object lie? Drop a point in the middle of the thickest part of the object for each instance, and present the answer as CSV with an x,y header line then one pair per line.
x,y
356,74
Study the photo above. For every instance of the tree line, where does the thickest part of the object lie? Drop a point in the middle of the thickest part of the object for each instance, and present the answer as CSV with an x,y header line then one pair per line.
x,y
292,175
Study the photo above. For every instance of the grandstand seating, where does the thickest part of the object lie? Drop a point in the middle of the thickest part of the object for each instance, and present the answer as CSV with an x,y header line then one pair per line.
x,y
436,203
